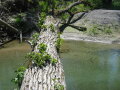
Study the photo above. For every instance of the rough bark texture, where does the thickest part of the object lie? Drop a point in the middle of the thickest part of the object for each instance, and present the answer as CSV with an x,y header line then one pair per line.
x,y
36,78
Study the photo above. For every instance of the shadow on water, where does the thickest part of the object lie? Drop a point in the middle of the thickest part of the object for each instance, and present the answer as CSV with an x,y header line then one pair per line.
x,y
112,62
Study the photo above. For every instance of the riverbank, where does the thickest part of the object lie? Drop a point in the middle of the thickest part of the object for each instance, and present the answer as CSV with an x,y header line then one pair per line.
x,y
102,26
76,35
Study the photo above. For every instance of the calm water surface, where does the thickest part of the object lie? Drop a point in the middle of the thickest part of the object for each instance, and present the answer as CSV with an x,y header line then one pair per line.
x,y
91,66
88,66
11,57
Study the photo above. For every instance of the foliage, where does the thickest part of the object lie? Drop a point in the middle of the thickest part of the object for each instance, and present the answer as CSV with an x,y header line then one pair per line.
x,y
98,29
64,16
42,47
19,18
96,3
42,57
19,76
93,31
43,5
80,8
19,21
52,27
107,30
59,87
105,4
116,4
58,43
35,36
41,19
34,39
38,58
54,61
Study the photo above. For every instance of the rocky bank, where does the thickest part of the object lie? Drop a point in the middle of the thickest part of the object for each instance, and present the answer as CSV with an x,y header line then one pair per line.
x,y
102,26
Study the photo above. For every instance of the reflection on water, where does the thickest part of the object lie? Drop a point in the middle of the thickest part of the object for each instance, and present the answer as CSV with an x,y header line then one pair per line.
x,y
91,66
88,66
112,59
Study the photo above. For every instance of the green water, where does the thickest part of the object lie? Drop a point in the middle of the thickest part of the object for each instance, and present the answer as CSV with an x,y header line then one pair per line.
x,y
91,66
11,57
88,66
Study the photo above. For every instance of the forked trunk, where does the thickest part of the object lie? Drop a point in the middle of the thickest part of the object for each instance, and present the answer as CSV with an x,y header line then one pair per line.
x,y
48,77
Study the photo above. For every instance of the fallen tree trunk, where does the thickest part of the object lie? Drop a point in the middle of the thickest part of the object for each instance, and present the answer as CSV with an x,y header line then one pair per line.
x,y
49,76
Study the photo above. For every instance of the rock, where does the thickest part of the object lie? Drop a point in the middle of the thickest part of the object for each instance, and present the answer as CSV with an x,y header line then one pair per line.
x,y
102,19
117,41
102,26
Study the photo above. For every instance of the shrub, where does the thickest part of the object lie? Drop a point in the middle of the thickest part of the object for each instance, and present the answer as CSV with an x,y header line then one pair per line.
x,y
42,57
58,43
93,31
19,76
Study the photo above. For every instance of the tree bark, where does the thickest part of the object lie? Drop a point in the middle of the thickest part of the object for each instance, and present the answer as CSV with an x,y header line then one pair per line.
x,y
45,78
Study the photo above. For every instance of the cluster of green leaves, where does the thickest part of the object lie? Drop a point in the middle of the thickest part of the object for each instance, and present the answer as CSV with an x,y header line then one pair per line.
x,y
48,5
19,76
58,86
39,58
52,28
42,57
116,4
42,47
54,61
45,6
80,8
35,36
64,16
41,20
96,3
18,18
34,39
19,21
58,43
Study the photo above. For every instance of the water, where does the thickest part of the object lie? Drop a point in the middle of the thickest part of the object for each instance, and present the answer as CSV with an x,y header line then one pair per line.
x,y
11,57
91,66
88,66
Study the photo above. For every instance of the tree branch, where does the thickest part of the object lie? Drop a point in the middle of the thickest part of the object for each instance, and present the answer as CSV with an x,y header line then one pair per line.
x,y
80,17
71,21
8,25
71,6
78,28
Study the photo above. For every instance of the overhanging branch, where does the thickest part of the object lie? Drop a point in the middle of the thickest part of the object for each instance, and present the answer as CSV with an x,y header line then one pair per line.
x,y
71,6
70,22
78,28
79,18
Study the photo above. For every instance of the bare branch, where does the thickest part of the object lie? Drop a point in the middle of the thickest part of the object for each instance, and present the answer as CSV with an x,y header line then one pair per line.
x,y
71,6
72,20
8,25
80,17
78,28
